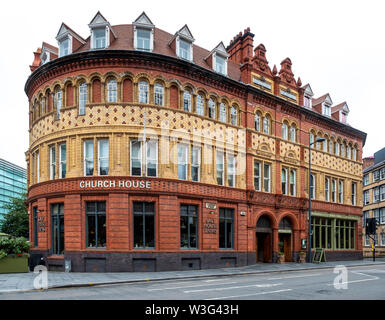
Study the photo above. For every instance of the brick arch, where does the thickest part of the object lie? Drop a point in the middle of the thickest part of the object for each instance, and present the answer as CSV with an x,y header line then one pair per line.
x,y
270,215
142,76
293,219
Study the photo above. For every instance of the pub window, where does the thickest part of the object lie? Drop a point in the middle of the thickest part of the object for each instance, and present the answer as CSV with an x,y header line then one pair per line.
x,y
220,168
103,157
144,224
112,90
226,228
82,98
188,226
345,234
292,182
136,158
182,161
266,177
200,105
257,175
158,94
323,233
35,228
340,191
62,160
211,109
187,101
152,158
52,162
57,224
88,157
96,224
143,92
222,112
284,180
195,163
230,170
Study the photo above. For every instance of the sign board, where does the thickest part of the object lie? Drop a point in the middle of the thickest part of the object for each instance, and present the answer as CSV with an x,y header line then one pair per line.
x,y
319,255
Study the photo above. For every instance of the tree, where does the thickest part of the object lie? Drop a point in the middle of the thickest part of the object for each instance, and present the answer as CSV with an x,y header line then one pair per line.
x,y
15,222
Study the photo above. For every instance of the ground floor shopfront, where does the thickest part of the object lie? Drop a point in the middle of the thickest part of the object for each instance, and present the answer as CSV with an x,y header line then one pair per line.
x,y
119,224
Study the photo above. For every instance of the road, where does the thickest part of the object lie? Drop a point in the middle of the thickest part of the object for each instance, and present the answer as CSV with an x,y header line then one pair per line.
x,y
364,282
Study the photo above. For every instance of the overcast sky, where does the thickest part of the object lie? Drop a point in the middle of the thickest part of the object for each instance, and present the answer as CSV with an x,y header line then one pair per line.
x,y
337,46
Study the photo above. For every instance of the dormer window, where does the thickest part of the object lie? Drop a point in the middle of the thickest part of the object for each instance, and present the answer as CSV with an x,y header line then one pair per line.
x,y
326,110
220,64
307,102
64,46
343,117
143,33
44,57
99,38
217,59
143,39
184,49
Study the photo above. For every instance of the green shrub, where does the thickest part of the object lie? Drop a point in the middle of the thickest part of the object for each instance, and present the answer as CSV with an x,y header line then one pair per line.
x,y
11,245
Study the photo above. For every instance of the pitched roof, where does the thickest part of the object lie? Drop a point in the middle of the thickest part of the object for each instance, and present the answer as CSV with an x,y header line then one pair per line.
x,y
321,99
340,106
64,28
50,47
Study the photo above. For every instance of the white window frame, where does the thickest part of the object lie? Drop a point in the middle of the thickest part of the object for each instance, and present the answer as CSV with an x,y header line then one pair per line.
x,y
382,239
37,167
154,144
82,98
267,178
294,193
326,110
233,116
58,97
69,48
143,88
187,100
221,156
340,191
230,169
180,51
266,124
354,193
196,163
334,190
88,159
222,112
94,39
158,94
284,181
284,130
382,193
140,159
293,133
112,90
327,189
211,105
312,186
366,197
182,160
216,65
257,122
376,194
257,177
62,161
106,158
365,180
151,39
52,162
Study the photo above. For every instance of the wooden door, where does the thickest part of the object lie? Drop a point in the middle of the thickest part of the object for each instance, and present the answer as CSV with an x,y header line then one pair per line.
x,y
287,247
267,248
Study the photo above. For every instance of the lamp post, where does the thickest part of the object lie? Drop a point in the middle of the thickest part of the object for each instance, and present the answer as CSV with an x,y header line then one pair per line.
x,y
309,241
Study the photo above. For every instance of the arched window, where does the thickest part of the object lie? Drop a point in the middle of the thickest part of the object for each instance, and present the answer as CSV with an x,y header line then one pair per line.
x,y
42,106
187,101
82,98
211,109
343,155
284,130
222,112
311,139
58,101
143,91
266,124
112,92
257,121
325,144
331,146
158,94
200,105
337,148
318,143
354,154
293,133
349,152
233,116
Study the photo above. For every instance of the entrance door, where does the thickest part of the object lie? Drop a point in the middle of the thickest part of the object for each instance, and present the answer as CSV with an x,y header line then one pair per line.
x,y
263,246
57,215
285,245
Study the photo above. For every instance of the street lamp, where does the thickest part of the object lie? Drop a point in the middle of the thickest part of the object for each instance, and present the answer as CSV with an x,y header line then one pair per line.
x,y
309,241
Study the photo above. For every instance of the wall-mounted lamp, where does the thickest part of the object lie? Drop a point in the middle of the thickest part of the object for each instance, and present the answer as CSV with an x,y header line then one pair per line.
x,y
243,213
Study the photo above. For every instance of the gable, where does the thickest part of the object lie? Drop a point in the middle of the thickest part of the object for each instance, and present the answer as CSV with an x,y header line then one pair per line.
x,y
220,48
144,20
63,30
98,19
186,33
328,100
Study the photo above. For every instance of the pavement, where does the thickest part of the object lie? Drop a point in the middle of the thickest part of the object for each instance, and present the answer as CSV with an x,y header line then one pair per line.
x,y
21,282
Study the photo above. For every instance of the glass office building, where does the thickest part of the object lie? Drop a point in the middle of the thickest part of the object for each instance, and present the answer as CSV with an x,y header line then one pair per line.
x,y
13,183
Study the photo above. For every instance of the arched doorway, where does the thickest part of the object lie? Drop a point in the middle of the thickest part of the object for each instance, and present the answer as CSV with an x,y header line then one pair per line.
x,y
264,240
285,239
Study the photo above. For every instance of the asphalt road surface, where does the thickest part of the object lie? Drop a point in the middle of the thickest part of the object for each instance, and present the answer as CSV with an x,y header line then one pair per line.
x,y
364,282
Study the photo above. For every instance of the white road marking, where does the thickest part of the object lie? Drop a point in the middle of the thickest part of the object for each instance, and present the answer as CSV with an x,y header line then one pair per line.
x,y
200,285
249,295
356,281
238,287
292,277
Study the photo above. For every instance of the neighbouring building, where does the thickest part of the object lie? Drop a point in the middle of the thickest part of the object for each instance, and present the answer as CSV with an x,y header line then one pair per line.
x,y
13,183
374,201
149,152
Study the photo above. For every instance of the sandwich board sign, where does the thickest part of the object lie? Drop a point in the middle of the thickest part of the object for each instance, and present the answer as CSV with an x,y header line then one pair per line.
x,y
319,256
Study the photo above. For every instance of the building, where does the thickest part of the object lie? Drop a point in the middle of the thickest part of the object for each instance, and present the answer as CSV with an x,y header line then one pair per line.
x,y
13,183
374,201
148,152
